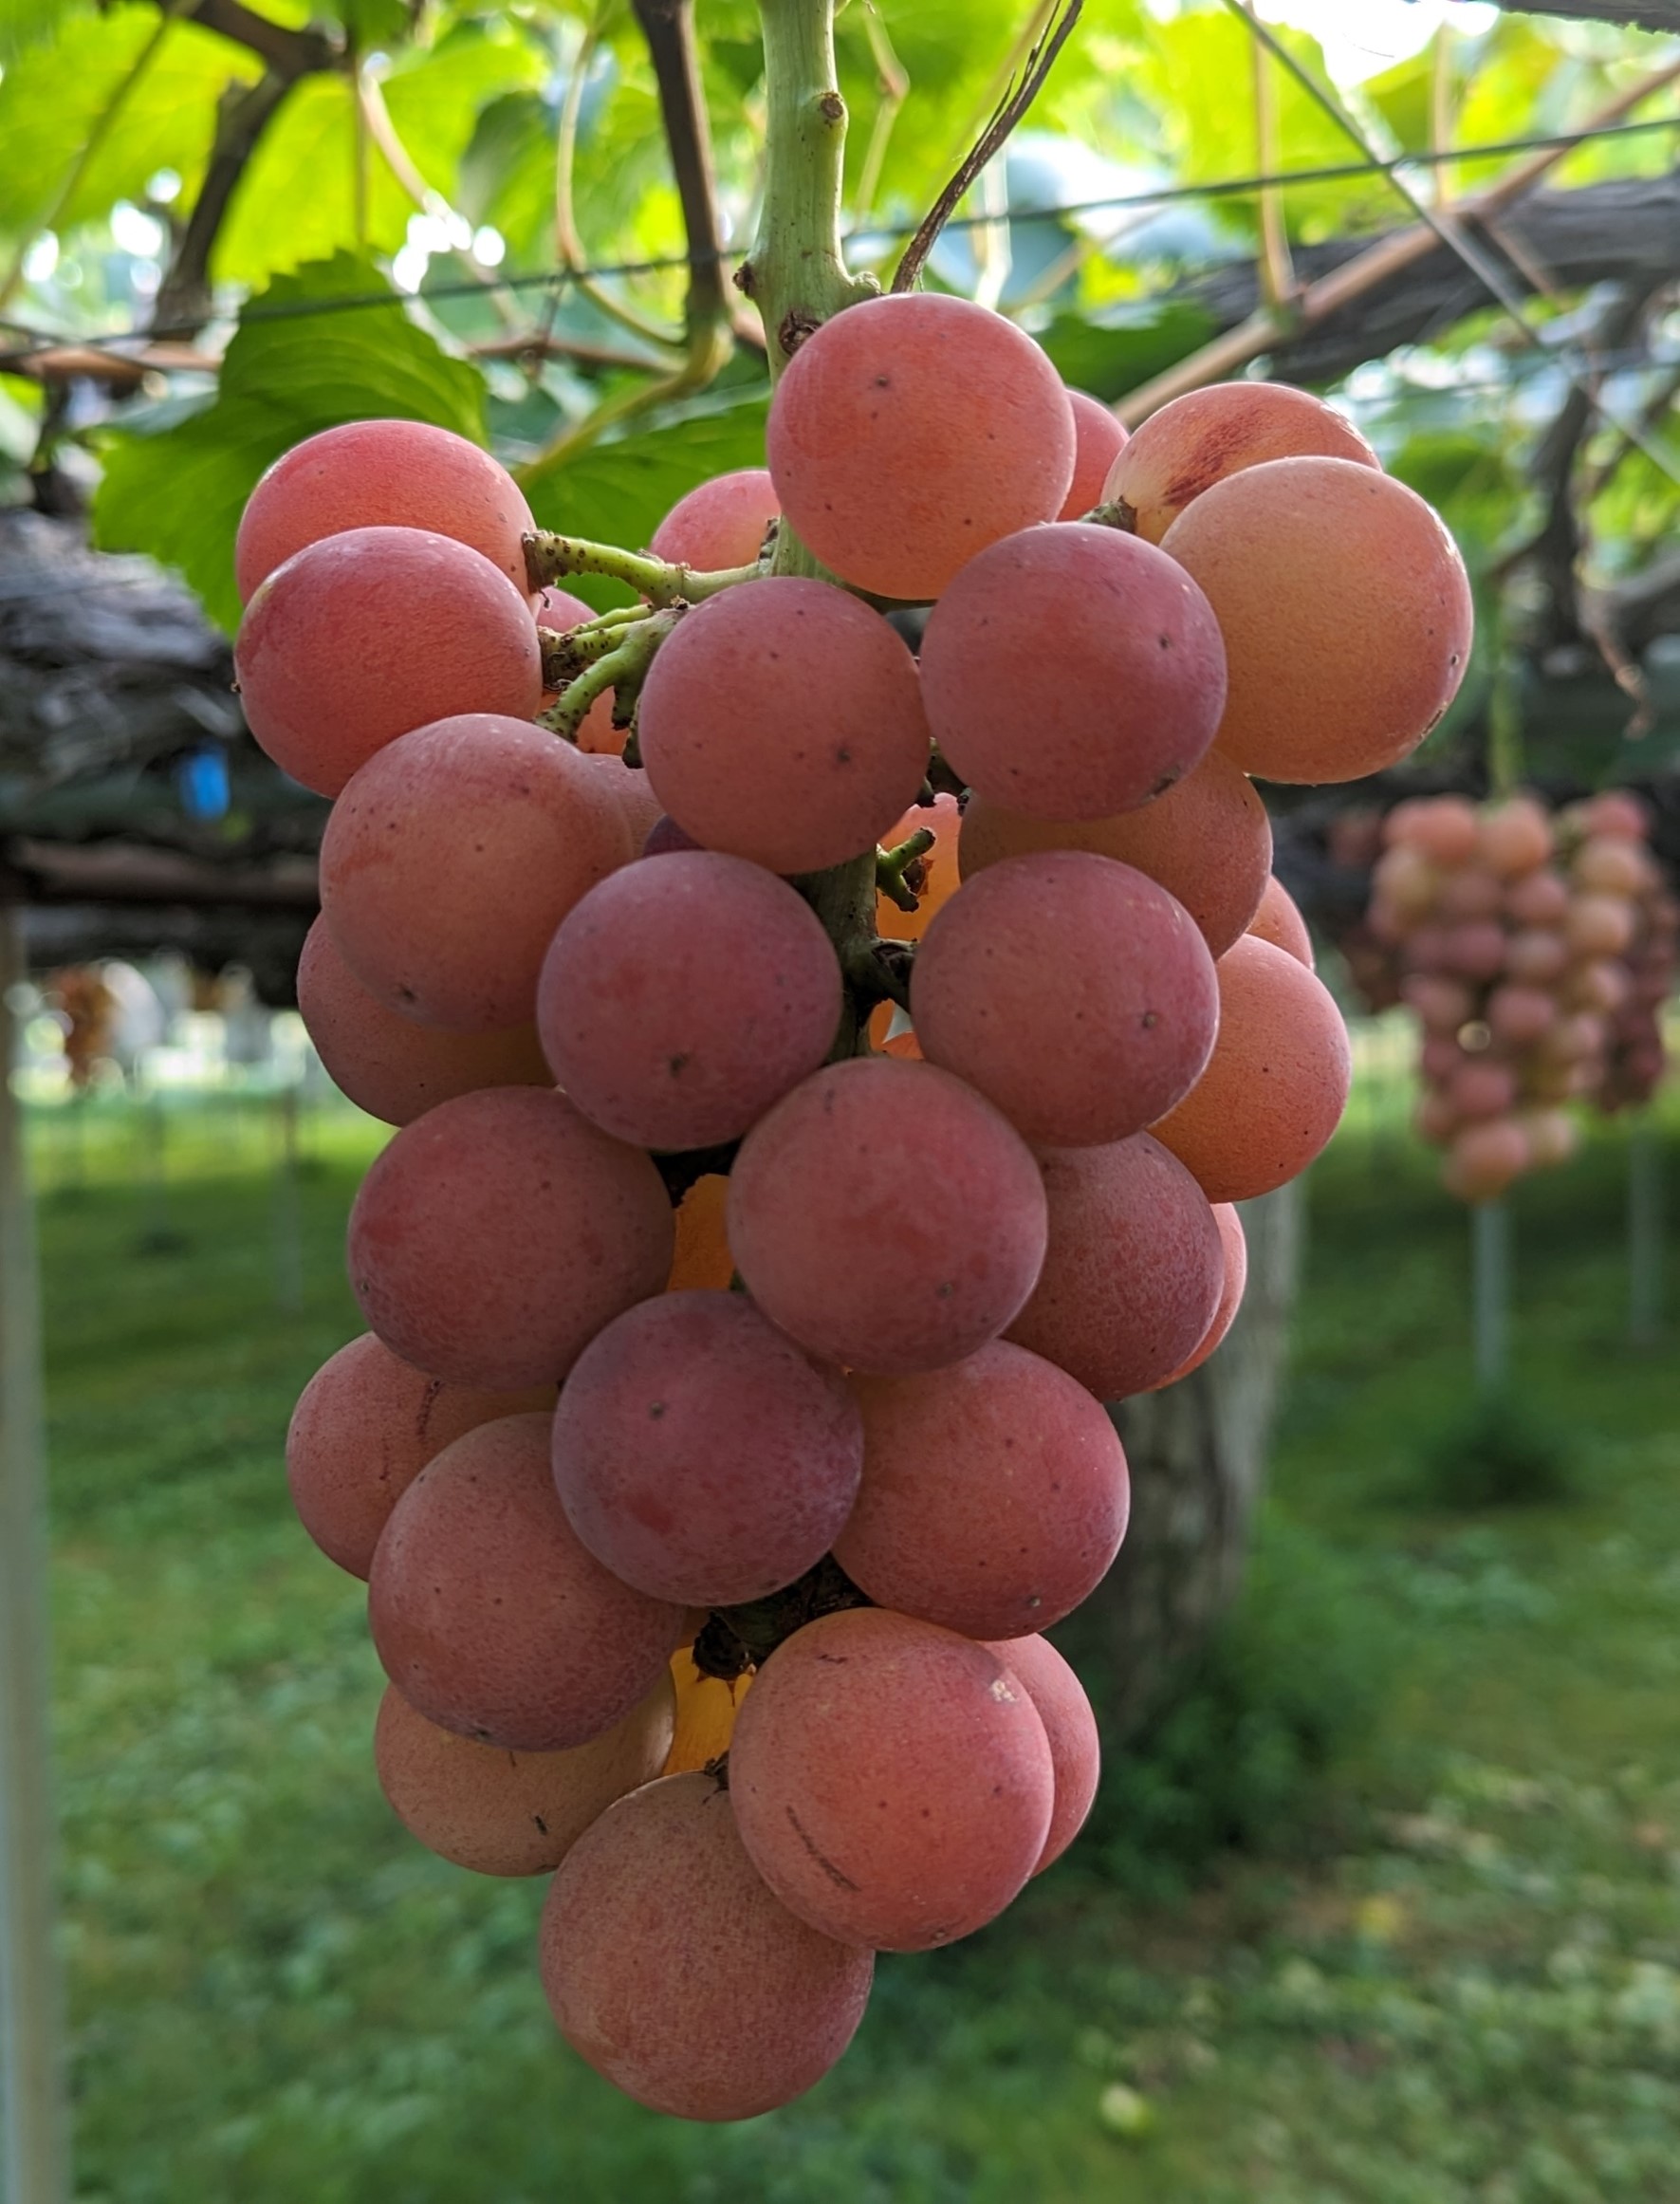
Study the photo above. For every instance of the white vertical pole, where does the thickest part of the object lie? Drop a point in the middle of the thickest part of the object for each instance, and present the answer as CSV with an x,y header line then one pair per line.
x,y
34,2128
1490,1268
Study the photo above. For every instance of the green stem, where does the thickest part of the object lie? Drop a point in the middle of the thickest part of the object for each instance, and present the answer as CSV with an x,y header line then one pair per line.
x,y
893,866
797,276
622,669
551,558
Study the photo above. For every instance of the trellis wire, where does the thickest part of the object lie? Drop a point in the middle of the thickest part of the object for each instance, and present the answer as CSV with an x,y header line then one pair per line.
x,y
883,232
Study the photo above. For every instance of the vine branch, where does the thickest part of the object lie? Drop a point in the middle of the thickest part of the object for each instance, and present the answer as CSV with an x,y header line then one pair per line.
x,y
1018,96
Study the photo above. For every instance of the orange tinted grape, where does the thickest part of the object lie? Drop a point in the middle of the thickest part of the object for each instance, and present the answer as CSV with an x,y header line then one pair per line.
x,y
364,1427
702,1256
406,474
886,1217
892,1783
909,432
1207,842
684,995
452,856
1100,439
496,1234
1123,1033
1196,440
1070,1728
782,722
1073,671
700,1455
1345,610
512,1813
673,1971
1276,1084
994,1494
490,1616
1134,1270
1280,922
718,523
706,1710
389,1066
371,633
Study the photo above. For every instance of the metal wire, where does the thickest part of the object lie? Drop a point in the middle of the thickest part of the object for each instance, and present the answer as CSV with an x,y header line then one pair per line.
x,y
39,340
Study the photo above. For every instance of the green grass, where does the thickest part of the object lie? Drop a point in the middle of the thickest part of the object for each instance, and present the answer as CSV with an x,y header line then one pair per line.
x,y
1457,1977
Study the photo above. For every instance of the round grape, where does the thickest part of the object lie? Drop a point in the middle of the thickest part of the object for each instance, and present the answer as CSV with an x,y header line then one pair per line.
x,y
782,722
495,1235
492,1617
886,1217
1073,671
371,633
892,1783
684,995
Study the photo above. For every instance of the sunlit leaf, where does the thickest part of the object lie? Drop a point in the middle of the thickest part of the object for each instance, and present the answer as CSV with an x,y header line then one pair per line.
x,y
178,494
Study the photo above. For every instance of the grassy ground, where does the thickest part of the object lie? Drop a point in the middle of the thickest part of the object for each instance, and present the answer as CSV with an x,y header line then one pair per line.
x,y
1461,1980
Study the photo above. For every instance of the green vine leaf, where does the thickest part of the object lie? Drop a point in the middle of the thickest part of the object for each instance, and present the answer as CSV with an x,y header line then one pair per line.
x,y
177,492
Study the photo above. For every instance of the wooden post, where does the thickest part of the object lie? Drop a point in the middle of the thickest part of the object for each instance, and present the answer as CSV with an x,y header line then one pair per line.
x,y
1490,1291
1645,1232
34,2129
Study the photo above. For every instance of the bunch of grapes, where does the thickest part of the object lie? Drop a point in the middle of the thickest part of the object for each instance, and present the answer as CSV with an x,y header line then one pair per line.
x,y
1611,854
1510,929
740,1637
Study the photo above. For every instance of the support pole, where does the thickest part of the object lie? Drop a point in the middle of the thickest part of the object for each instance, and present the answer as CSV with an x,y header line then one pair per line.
x,y
1645,1234
1490,1290
288,1223
34,2128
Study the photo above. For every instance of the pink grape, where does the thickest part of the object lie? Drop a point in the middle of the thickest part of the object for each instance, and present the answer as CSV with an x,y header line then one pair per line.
x,y
994,1494
1194,441
371,633
700,1455
1234,1244
892,1782
1135,1270
628,788
1099,439
386,1063
1279,921
887,1216
684,995
1276,1084
1123,705
1541,899
720,523
1476,949
495,1235
1125,1033
452,856
658,1924
493,1618
1442,828
364,1427
1516,837
1536,957
1207,842
910,431
782,722
1483,1159
498,1812
1345,610
388,474
1070,1728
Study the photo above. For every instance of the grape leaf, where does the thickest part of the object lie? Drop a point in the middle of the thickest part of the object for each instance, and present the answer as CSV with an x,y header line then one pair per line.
x,y
1121,346
177,492
619,492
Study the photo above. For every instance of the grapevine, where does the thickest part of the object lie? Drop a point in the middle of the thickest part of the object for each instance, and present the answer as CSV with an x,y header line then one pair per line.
x,y
947,997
